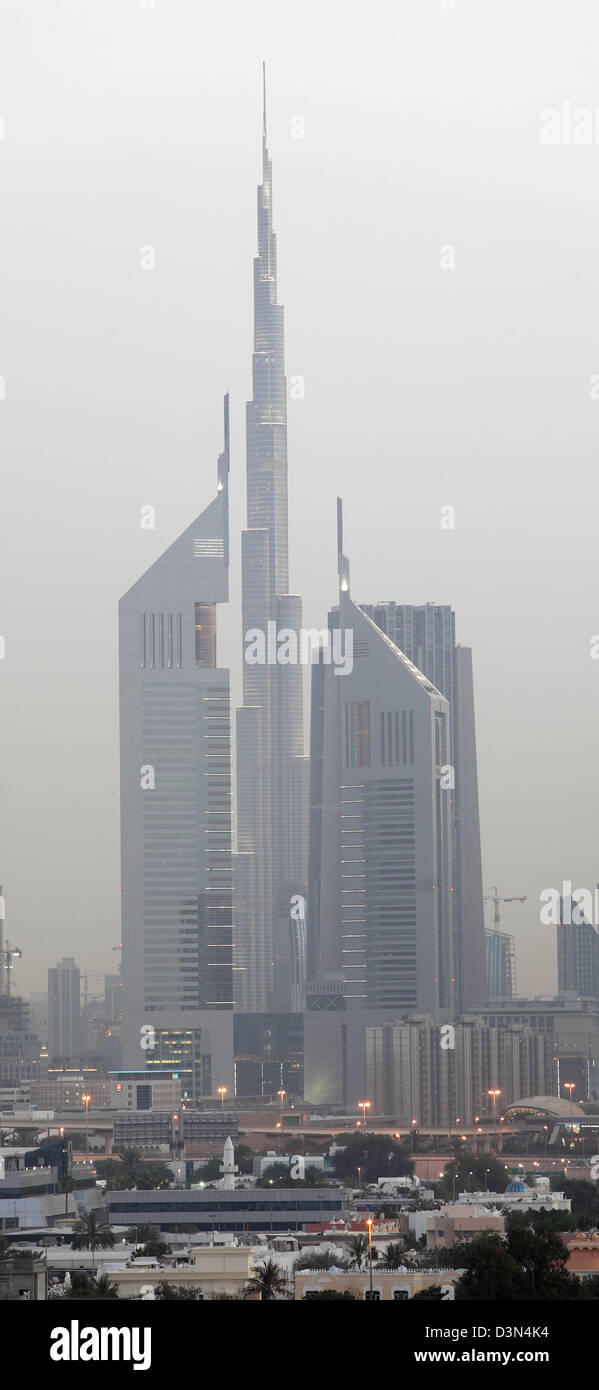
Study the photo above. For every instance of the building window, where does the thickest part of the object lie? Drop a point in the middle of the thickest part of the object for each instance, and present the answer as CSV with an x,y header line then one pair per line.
x,y
372,1297
205,631
400,1294
357,733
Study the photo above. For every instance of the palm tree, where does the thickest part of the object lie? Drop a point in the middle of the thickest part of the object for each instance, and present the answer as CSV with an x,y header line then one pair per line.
x,y
67,1184
164,1290
104,1289
268,1280
393,1256
358,1248
85,1287
91,1231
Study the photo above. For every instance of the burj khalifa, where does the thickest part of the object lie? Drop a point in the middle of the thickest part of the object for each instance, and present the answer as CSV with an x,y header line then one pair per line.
x,y
272,773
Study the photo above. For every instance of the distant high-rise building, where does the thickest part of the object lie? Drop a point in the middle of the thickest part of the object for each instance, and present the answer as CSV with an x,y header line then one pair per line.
x,y
176,808
426,634
64,1012
38,1014
272,773
381,874
411,1073
501,964
577,952
113,1000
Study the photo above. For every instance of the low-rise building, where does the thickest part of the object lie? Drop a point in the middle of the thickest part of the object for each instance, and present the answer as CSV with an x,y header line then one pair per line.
x,y
388,1286
456,1222
243,1211
221,1269
23,1278
519,1197
583,1253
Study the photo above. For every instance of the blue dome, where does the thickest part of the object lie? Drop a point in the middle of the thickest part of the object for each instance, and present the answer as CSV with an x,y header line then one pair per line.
x,y
516,1186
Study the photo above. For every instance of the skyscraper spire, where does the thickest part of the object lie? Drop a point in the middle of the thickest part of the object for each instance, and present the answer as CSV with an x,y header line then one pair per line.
x,y
342,561
270,722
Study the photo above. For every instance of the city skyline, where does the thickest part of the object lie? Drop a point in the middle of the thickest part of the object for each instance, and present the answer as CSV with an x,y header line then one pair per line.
x,y
496,635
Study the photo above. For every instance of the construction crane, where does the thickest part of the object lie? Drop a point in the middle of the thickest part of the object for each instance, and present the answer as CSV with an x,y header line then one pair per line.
x,y
508,941
496,900
92,975
7,955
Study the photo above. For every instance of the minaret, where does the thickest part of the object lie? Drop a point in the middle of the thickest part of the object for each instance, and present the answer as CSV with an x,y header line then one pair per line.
x,y
228,1167
271,770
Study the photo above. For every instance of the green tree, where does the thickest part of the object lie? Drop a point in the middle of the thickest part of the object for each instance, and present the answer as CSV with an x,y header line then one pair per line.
x,y
358,1249
543,1258
491,1272
148,1242
321,1259
133,1171
84,1286
470,1170
112,1172
313,1177
376,1155
329,1293
584,1197
433,1293
164,1290
268,1280
244,1158
529,1265
67,1185
393,1256
276,1175
93,1232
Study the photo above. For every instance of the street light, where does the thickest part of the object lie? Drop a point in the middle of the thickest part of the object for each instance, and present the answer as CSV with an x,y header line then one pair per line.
x,y
494,1094
86,1101
222,1091
369,1224
487,1171
364,1105
570,1086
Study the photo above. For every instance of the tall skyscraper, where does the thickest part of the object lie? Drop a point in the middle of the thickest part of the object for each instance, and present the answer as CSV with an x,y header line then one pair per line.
x,y
64,1012
426,634
381,873
501,965
272,774
176,808
577,952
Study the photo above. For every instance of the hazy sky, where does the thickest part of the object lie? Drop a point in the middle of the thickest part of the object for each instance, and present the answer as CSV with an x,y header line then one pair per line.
x,y
127,127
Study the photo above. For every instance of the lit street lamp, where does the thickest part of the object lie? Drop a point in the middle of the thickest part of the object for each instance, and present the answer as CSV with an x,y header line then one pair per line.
x,y
222,1091
364,1105
369,1224
570,1086
86,1101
